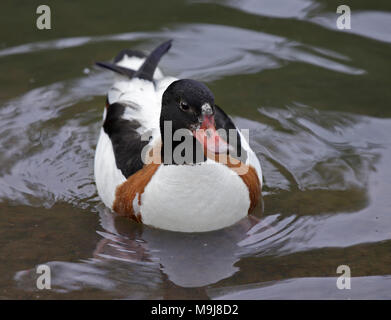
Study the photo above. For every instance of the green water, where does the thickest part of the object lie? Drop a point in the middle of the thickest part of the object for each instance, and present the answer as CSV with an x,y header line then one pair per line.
x,y
316,100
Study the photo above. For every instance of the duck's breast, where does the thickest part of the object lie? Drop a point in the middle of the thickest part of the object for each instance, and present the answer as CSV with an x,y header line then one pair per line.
x,y
194,198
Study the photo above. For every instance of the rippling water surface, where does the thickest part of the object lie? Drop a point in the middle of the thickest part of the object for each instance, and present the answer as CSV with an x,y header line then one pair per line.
x,y
316,100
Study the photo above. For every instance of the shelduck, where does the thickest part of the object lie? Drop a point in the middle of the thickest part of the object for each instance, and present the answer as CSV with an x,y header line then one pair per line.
x,y
167,155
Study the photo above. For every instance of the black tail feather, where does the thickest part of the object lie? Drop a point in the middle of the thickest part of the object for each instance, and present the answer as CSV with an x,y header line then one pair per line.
x,y
113,67
148,68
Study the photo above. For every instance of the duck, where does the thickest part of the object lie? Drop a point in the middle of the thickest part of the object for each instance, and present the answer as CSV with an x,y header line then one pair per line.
x,y
204,178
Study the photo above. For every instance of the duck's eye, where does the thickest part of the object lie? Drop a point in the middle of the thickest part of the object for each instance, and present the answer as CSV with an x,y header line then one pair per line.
x,y
184,106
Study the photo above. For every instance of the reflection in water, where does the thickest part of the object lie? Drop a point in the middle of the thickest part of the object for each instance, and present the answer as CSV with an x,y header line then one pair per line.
x,y
188,260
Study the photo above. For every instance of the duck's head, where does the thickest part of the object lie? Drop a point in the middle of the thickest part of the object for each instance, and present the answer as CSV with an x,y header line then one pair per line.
x,y
188,106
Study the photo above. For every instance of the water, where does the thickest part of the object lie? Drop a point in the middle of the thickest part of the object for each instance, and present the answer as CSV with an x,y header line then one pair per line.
x,y
316,101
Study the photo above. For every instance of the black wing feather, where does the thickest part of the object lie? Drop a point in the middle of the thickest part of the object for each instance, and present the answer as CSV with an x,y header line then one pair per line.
x,y
126,141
